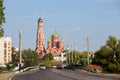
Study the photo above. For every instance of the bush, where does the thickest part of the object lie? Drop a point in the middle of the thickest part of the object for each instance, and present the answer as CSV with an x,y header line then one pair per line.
x,y
48,62
10,65
3,69
114,67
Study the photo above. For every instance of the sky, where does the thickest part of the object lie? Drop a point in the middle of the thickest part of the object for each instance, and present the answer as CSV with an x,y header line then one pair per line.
x,y
74,20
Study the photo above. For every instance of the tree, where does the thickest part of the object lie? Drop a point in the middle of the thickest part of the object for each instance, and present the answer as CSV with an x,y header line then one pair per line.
x,y
1,31
112,42
48,55
13,54
83,55
2,18
114,67
103,57
48,59
73,57
109,55
114,45
118,52
31,58
10,65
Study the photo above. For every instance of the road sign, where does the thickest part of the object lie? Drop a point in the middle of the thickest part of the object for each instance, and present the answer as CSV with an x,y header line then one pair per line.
x,y
84,59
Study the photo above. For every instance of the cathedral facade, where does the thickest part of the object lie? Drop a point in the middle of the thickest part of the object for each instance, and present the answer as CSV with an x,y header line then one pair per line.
x,y
54,45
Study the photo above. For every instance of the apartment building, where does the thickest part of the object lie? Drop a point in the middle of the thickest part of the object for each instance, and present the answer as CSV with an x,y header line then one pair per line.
x,y
5,50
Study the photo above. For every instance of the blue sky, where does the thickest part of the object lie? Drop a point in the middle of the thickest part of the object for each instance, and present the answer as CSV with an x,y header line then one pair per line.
x,y
74,20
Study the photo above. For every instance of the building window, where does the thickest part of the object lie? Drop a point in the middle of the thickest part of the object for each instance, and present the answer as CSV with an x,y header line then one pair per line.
x,y
9,43
5,52
5,45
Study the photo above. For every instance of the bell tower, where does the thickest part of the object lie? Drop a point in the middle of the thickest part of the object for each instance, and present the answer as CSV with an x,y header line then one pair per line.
x,y
40,38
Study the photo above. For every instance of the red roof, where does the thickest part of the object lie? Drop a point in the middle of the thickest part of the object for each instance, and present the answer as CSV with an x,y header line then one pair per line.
x,y
95,67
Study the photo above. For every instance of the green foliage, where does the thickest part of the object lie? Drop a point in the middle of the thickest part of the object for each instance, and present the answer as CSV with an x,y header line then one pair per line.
x,y
13,55
10,65
73,57
2,18
109,55
103,56
47,59
47,62
3,69
114,67
118,52
83,55
111,42
1,32
48,55
31,58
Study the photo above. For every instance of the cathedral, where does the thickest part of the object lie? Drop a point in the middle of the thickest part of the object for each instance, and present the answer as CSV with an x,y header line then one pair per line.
x,y
54,45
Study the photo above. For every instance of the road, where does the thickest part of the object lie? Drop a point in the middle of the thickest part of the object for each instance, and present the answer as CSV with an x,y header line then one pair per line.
x,y
62,74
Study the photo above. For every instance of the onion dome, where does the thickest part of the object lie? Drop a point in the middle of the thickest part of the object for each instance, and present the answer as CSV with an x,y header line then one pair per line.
x,y
49,41
40,20
55,35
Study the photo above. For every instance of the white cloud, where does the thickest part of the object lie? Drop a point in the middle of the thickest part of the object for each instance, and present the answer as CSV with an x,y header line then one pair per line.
x,y
77,28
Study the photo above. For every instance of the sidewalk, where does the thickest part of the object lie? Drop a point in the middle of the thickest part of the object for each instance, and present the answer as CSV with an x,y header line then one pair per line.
x,y
5,76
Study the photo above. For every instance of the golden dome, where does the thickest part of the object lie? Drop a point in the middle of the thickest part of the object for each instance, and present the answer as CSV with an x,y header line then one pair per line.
x,y
55,35
40,20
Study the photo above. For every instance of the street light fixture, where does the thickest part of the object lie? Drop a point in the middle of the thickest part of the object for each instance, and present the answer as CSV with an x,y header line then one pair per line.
x,y
20,45
88,51
75,51
20,48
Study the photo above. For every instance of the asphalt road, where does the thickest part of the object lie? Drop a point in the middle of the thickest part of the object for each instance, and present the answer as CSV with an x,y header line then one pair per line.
x,y
62,74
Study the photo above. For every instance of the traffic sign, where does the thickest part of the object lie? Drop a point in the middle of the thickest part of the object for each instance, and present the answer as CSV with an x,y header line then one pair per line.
x,y
84,58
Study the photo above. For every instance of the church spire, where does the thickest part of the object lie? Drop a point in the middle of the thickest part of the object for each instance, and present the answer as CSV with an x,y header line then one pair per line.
x,y
40,38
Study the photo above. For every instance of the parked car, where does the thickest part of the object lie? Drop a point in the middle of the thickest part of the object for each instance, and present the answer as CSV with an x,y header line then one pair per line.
x,y
59,66
54,66
42,66
69,67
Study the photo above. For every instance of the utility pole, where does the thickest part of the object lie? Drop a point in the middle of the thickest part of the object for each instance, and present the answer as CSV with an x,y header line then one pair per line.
x,y
75,52
72,53
88,50
20,48
67,55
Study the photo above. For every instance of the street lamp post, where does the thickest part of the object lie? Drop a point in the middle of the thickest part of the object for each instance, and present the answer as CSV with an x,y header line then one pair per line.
x,y
88,50
20,48
20,43
75,51
67,55
72,54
